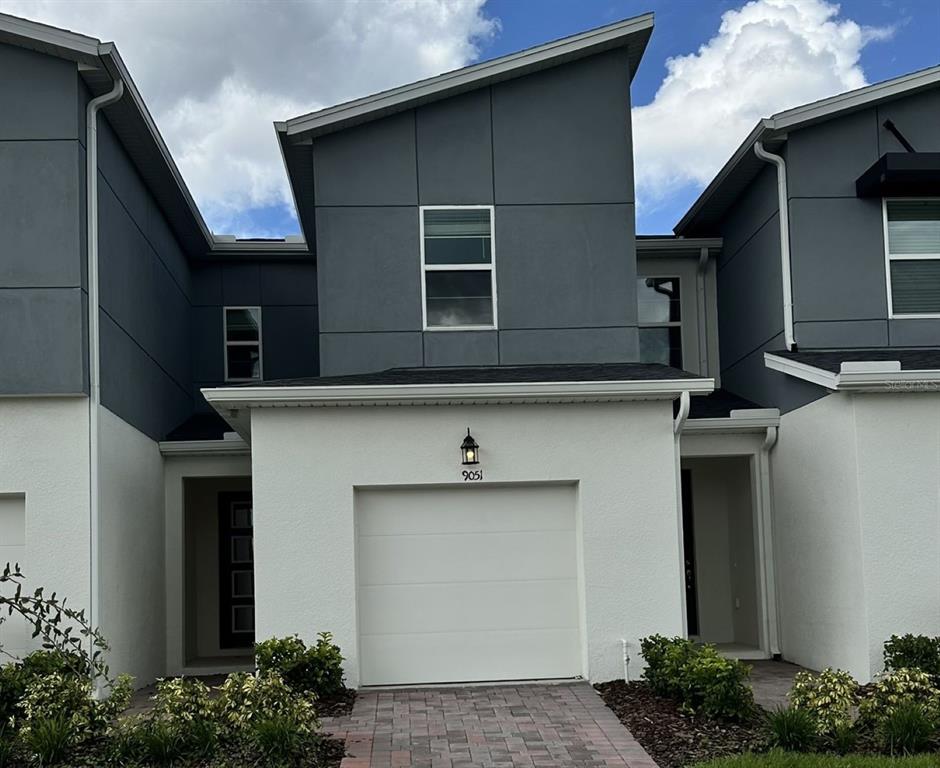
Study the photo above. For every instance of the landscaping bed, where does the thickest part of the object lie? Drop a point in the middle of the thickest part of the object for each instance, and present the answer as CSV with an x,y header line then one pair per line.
x,y
779,759
673,738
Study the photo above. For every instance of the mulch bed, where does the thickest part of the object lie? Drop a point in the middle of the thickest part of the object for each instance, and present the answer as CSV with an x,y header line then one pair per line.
x,y
672,738
338,705
330,753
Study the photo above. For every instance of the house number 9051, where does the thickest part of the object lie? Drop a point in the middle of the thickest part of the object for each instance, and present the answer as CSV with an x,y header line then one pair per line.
x,y
471,475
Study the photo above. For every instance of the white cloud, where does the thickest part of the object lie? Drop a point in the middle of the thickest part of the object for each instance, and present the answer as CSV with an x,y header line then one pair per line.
x,y
768,55
216,75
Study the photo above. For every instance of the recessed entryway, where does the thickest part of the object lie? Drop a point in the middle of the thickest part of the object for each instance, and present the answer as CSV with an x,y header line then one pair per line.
x,y
468,584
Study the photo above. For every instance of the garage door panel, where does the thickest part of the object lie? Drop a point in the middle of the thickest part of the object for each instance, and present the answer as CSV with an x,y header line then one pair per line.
x,y
429,511
466,607
466,557
469,656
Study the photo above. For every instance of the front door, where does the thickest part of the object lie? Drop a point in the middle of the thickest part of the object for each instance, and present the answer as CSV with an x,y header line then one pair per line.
x,y
236,571
688,545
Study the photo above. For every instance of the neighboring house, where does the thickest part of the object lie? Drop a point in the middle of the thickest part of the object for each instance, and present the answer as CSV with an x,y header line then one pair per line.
x,y
841,331
452,424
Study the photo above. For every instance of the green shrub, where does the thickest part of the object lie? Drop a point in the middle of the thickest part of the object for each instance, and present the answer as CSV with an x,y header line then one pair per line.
x,y
906,729
245,699
7,743
700,677
899,687
317,670
276,741
791,729
49,739
779,759
913,652
843,739
829,697
160,742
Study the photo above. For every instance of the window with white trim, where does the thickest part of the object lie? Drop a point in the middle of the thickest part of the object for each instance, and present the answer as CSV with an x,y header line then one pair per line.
x,y
242,329
458,272
659,313
912,239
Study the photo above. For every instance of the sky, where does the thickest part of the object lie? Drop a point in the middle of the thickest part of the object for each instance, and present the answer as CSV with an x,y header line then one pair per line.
x,y
216,75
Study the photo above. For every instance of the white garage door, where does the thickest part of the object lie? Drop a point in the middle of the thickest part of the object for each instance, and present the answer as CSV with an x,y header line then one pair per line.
x,y
467,584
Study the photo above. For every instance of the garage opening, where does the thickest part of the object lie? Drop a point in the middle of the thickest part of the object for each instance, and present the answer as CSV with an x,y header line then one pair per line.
x,y
468,584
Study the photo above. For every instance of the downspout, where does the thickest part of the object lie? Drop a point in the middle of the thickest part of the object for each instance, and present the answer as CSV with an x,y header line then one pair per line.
x,y
784,216
767,544
677,425
94,357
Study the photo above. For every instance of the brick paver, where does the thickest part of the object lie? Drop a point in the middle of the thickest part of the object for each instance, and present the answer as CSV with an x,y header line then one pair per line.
x,y
486,727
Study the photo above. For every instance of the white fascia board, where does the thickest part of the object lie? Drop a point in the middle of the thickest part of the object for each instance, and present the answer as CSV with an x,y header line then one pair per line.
x,y
864,376
742,420
487,71
225,447
670,245
229,398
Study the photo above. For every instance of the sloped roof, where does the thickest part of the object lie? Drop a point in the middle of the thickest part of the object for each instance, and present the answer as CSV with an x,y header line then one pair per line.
x,y
743,167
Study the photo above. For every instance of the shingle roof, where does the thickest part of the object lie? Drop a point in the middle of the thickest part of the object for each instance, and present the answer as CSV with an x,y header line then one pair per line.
x,y
919,359
505,374
718,405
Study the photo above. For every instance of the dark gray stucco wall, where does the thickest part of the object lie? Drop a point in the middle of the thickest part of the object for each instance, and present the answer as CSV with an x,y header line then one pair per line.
x,y
837,240
287,295
552,151
41,159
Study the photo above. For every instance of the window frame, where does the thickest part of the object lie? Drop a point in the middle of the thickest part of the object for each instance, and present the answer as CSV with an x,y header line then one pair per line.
x,y
889,257
478,267
669,323
226,344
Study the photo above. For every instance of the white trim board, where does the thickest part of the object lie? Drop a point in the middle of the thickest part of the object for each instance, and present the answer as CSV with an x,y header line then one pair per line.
x,y
859,376
743,420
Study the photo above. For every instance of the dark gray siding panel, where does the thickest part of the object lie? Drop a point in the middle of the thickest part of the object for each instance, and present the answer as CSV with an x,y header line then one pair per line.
x,y
574,345
39,213
749,214
241,285
838,263
207,284
825,161
290,342
563,135
39,95
41,341
289,284
567,267
750,308
445,348
207,350
917,117
923,332
369,267
455,163
850,333
371,164
342,353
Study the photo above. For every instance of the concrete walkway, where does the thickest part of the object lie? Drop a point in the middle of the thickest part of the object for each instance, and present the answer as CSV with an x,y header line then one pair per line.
x,y
771,681
487,726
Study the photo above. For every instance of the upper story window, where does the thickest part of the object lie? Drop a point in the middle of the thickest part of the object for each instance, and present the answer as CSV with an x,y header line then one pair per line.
x,y
659,312
242,326
458,273
912,238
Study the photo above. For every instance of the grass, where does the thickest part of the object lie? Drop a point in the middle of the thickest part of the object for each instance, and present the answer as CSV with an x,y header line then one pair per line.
x,y
777,759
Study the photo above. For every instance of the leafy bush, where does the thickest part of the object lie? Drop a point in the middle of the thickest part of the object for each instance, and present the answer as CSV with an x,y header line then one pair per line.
x,y
913,652
317,670
49,739
7,743
843,739
906,729
701,678
791,729
779,759
828,697
245,699
898,687
276,741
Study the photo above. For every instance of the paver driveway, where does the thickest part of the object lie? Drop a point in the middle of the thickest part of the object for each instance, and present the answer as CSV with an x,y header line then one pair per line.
x,y
488,726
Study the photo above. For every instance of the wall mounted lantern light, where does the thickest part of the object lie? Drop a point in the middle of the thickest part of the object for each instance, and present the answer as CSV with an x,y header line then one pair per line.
x,y
469,449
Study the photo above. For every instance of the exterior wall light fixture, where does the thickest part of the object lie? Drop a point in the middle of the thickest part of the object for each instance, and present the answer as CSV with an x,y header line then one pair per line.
x,y
469,450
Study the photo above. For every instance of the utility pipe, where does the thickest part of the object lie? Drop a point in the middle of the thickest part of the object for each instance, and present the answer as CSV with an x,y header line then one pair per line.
x,y
94,356
784,217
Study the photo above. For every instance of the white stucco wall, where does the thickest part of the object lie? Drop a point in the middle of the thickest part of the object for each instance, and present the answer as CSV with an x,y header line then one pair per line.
x,y
44,461
306,464
857,504
131,575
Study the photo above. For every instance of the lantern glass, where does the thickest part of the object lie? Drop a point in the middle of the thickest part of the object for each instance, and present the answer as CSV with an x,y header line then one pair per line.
x,y
469,450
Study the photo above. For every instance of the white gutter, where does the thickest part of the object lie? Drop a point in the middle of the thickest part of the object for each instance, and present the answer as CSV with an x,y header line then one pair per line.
x,y
684,405
859,376
784,217
738,421
94,351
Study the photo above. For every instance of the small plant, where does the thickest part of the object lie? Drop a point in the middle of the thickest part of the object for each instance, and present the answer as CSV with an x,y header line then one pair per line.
x,y
48,739
828,697
7,743
791,729
899,687
843,739
160,742
906,729
245,699
913,652
276,740
317,670
666,657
